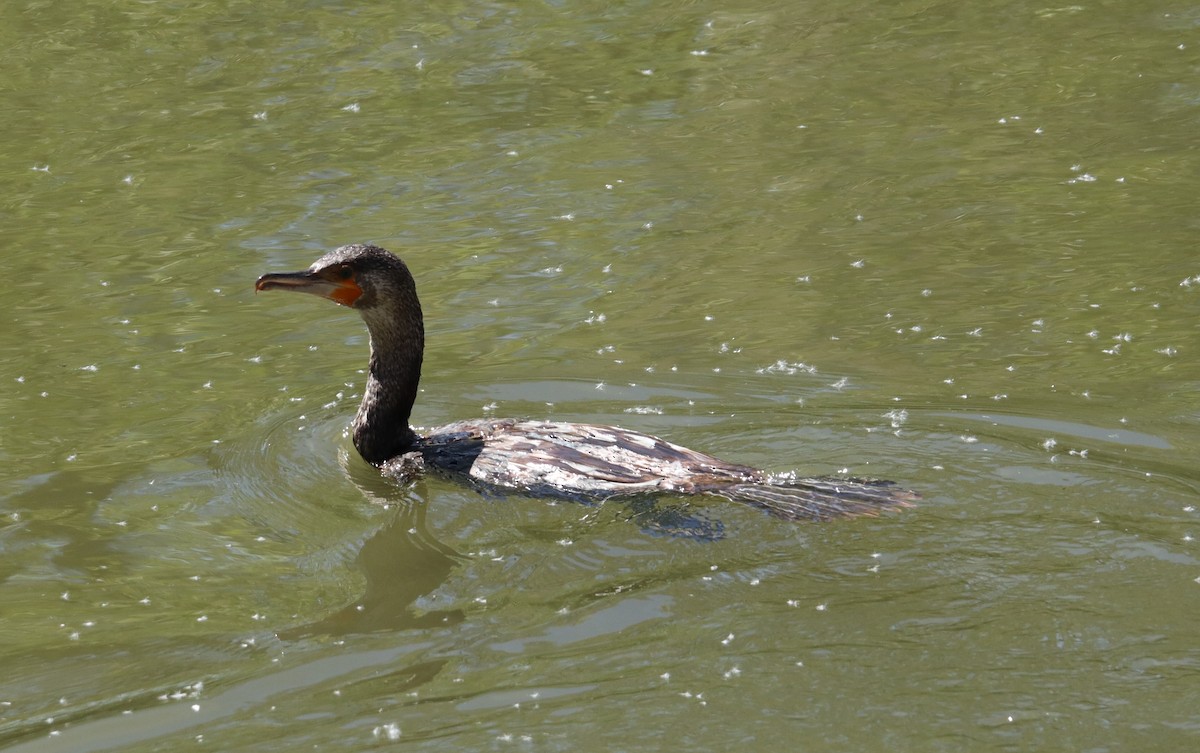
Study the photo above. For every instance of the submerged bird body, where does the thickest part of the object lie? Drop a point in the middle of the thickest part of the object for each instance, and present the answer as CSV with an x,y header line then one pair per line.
x,y
588,462
579,461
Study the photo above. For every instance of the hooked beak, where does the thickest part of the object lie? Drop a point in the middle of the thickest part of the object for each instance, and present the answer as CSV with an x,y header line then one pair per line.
x,y
345,292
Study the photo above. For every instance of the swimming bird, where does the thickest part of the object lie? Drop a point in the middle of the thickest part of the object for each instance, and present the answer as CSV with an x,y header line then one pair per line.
x,y
540,458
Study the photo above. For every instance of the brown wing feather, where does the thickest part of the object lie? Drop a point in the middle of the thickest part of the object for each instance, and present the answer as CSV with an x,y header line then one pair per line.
x,y
584,461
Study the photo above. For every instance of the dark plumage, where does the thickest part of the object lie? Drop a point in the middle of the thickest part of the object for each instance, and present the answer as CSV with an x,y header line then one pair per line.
x,y
536,457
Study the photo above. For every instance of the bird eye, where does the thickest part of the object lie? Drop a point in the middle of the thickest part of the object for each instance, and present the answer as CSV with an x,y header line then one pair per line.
x,y
345,272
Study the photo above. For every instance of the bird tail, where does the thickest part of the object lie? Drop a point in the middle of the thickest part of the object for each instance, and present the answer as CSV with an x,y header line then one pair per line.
x,y
819,498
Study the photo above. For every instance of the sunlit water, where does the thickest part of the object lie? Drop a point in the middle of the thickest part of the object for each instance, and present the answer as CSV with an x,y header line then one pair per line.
x,y
948,245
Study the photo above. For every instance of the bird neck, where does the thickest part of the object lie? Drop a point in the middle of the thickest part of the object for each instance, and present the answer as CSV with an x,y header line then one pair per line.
x,y
380,429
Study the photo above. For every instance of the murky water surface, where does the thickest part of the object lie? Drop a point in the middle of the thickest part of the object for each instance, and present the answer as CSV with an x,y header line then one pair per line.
x,y
952,244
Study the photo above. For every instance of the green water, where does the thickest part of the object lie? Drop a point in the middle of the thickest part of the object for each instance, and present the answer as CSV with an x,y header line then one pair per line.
x,y
949,244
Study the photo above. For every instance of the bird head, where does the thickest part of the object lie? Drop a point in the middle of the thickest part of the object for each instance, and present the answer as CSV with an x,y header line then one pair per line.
x,y
359,276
